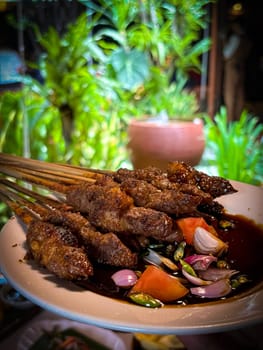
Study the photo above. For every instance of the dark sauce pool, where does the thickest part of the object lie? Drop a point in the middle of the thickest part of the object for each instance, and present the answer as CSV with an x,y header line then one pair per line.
x,y
245,253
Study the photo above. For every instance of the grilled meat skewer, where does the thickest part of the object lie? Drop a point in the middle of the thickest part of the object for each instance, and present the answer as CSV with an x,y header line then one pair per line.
x,y
177,172
104,248
182,173
97,216
172,202
190,194
137,204
111,209
105,204
54,247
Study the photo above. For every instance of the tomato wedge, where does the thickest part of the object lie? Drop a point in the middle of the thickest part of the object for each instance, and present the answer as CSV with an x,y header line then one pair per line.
x,y
189,225
160,285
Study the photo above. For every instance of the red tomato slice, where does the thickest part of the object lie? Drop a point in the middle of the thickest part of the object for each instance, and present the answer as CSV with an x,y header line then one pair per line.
x,y
189,225
160,285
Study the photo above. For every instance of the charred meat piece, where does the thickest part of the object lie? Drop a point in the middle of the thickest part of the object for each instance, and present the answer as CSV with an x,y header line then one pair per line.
x,y
160,180
214,209
147,222
56,248
182,173
106,193
149,174
112,210
66,226
146,195
105,248
71,220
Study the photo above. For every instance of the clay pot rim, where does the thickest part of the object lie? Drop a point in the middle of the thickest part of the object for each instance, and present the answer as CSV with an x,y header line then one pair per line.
x,y
173,123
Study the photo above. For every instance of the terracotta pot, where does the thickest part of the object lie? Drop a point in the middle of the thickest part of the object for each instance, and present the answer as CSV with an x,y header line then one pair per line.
x,y
156,144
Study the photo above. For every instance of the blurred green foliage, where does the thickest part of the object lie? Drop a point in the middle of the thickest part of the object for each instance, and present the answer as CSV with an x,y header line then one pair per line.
x,y
151,46
75,116
236,148
116,61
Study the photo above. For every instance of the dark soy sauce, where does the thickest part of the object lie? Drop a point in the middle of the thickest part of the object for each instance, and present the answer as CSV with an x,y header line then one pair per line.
x,y
245,242
245,254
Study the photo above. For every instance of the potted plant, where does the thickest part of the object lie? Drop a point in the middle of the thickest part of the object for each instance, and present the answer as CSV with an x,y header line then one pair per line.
x,y
171,129
151,47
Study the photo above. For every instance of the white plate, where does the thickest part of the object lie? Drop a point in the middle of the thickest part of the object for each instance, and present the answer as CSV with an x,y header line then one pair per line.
x,y
71,302
102,336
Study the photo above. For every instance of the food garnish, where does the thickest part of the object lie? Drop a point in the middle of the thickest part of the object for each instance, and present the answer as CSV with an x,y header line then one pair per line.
x,y
145,299
205,242
124,278
159,284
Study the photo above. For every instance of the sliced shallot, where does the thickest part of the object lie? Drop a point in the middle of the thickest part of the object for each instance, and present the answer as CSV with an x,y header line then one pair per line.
x,y
124,278
195,279
215,274
157,259
200,261
217,289
206,243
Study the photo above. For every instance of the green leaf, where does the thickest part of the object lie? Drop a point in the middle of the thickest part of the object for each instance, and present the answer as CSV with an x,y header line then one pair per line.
x,y
113,35
236,145
130,67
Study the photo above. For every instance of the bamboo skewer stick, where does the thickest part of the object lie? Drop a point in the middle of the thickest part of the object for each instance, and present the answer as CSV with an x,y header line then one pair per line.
x,y
17,206
53,175
53,168
33,206
22,201
19,174
43,200
88,171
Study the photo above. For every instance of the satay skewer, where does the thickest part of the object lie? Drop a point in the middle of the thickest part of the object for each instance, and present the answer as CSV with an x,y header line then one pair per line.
x,y
140,203
51,246
116,214
37,210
